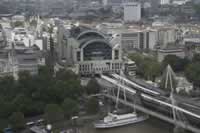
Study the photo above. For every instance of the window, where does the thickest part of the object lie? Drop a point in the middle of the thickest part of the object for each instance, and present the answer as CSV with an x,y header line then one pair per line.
x,y
78,56
116,54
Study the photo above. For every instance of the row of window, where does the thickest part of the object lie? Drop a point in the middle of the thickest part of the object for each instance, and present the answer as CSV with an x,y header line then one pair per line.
x,y
91,68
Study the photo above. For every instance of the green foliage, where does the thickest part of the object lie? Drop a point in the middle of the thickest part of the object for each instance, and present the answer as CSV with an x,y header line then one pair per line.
x,y
147,67
70,107
18,24
197,8
92,106
17,120
92,87
30,94
178,64
193,73
53,113
33,23
196,58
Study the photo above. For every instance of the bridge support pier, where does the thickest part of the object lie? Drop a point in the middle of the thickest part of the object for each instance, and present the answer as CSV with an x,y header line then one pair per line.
x,y
178,129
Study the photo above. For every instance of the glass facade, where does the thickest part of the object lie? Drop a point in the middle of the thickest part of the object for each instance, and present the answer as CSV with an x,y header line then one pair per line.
x,y
97,51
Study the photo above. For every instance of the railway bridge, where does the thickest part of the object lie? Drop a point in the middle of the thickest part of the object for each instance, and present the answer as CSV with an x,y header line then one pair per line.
x,y
154,102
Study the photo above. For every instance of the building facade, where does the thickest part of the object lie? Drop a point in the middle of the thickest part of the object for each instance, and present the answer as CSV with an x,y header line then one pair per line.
x,y
138,39
132,12
89,51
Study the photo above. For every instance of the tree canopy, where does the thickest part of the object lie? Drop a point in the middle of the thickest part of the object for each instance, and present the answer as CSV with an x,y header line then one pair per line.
x,y
17,120
92,87
92,105
30,94
178,64
193,73
147,67
53,113
70,107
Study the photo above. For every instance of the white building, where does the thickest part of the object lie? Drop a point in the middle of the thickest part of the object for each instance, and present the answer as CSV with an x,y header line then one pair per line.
x,y
132,12
138,39
162,53
180,2
164,2
166,35
89,51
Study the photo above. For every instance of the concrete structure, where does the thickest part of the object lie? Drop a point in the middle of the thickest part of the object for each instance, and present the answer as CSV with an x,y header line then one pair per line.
x,y
192,45
165,2
183,85
151,100
166,35
161,53
88,51
130,68
132,12
18,18
180,2
138,39
18,58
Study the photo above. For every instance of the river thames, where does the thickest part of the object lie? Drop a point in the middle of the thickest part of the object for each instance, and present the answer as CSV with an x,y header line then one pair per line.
x,y
152,125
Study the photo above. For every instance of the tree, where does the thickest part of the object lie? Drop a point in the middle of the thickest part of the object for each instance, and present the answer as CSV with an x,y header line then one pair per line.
x,y
92,105
197,8
33,23
53,113
147,67
17,120
8,87
196,58
177,64
193,73
70,107
92,87
18,24
63,74
152,69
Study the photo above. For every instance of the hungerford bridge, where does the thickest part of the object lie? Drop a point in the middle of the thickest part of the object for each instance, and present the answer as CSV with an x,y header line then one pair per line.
x,y
181,112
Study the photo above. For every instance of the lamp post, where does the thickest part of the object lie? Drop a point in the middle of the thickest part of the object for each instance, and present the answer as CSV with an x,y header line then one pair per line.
x,y
74,123
49,128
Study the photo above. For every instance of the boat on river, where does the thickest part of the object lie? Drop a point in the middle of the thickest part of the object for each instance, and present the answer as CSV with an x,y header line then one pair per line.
x,y
114,120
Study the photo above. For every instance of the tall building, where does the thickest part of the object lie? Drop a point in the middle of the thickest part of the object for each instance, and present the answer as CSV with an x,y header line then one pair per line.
x,y
166,35
132,12
138,39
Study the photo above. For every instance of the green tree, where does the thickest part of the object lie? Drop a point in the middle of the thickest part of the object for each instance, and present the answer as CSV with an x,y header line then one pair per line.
x,y
92,87
18,24
196,58
6,108
147,67
33,23
197,8
70,107
53,113
152,69
63,75
177,64
92,106
193,73
8,87
17,120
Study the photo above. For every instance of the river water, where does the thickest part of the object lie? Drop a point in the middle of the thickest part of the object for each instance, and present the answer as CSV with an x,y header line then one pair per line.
x,y
152,125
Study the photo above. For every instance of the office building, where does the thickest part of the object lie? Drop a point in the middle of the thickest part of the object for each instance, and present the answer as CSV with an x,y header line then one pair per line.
x,y
138,39
132,12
